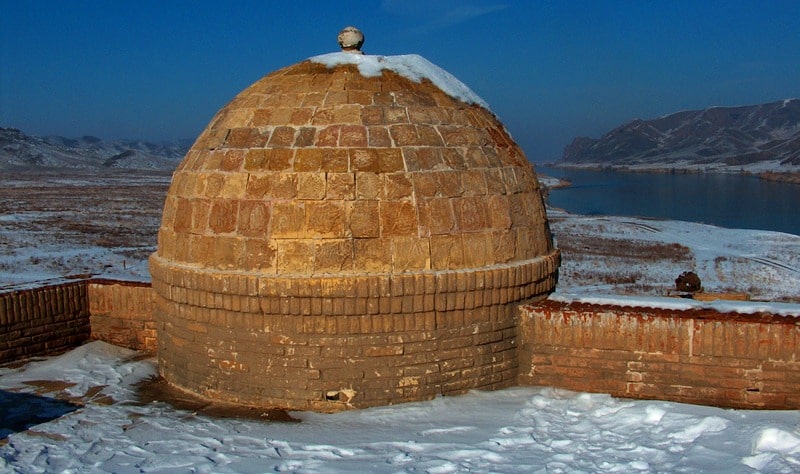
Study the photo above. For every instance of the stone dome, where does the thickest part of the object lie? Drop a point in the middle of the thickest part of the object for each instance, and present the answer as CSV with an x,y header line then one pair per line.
x,y
334,214
318,170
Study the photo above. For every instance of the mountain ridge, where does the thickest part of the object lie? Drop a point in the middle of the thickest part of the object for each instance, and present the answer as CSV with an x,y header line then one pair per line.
x,y
754,138
17,149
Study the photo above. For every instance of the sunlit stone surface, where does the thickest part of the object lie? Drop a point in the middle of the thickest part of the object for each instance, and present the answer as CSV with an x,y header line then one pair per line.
x,y
333,240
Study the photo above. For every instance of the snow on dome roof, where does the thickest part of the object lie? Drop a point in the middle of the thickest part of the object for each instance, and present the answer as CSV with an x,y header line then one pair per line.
x,y
411,66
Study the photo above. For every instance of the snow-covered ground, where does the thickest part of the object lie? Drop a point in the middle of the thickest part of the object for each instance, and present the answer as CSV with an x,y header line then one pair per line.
x,y
105,224
766,166
58,222
525,430
634,256
101,427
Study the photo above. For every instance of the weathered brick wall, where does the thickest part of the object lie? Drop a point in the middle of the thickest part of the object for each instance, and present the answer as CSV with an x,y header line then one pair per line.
x,y
43,320
123,313
339,342
387,341
695,356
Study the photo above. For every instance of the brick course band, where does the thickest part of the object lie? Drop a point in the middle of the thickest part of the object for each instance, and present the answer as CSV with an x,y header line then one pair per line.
x,y
328,344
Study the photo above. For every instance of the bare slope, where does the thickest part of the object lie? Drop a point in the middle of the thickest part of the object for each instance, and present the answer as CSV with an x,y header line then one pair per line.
x,y
20,150
763,137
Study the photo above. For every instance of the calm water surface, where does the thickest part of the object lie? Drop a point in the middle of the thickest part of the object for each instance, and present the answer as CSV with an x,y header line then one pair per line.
x,y
727,200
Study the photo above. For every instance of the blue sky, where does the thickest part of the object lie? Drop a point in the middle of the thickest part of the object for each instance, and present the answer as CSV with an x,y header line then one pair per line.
x,y
550,70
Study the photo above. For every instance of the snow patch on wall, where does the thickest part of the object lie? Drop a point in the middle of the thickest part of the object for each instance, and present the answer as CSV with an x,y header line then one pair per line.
x,y
681,304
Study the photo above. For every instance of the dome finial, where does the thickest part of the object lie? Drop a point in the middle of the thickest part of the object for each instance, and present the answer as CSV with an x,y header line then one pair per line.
x,y
351,39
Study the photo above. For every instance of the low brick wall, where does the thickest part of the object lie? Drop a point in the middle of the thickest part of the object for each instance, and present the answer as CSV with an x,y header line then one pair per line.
x,y
54,318
123,313
695,356
44,320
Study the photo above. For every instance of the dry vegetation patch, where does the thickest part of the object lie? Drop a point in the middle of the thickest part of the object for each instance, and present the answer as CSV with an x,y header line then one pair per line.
x,y
586,246
53,221
109,208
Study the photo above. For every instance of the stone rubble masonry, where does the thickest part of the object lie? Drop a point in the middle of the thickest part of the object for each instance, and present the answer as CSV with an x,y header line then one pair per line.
x,y
345,341
41,321
122,313
694,356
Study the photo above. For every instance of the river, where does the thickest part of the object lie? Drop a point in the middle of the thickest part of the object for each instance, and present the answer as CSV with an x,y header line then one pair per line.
x,y
728,200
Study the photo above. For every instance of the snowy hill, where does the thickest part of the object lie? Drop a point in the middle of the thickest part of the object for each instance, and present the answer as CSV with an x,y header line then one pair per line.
x,y
754,138
20,150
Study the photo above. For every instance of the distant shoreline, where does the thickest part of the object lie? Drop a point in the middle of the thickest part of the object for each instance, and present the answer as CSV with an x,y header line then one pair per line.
x,y
547,183
791,177
783,177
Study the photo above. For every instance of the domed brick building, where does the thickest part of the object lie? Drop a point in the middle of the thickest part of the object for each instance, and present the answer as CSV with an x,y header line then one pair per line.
x,y
349,231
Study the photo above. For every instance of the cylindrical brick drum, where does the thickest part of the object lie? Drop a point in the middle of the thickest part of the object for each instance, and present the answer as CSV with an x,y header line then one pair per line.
x,y
342,237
